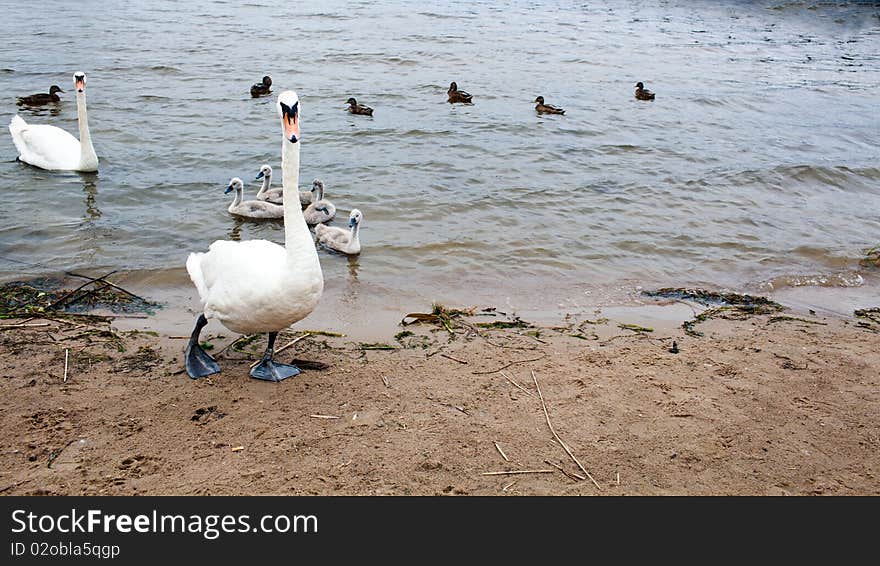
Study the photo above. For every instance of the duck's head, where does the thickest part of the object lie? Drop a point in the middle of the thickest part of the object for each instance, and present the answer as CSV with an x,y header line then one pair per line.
x,y
235,184
288,111
354,219
267,81
55,88
453,86
265,171
351,101
79,81
640,86
540,100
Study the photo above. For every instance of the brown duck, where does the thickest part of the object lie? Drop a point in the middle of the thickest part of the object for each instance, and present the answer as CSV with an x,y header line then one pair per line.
x,y
642,93
456,95
262,88
41,97
547,108
355,108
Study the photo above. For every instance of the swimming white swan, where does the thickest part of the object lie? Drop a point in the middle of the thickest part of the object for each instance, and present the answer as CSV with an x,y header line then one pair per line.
x,y
256,285
274,196
50,147
321,209
251,208
340,239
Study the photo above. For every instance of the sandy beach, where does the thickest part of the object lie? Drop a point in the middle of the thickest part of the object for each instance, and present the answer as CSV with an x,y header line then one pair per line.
x,y
783,403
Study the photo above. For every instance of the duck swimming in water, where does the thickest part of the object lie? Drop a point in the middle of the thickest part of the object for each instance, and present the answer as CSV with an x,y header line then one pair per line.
x,y
455,95
547,108
41,97
642,93
262,88
355,108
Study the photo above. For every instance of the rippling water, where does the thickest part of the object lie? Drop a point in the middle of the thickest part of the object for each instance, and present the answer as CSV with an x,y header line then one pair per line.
x,y
757,163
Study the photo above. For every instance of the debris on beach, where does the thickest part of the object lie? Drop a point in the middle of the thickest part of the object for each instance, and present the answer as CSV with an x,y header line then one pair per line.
x,y
871,318
44,296
872,257
733,306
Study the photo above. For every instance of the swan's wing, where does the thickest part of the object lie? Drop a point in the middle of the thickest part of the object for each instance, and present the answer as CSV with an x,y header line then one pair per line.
x,y
227,270
259,209
275,196
44,146
332,235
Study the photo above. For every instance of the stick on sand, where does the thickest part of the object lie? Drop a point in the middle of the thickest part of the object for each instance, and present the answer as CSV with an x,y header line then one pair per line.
x,y
510,364
517,385
500,451
512,472
66,354
561,443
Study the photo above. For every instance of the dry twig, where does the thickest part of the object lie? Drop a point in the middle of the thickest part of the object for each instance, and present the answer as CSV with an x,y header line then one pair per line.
x,y
517,385
500,451
510,364
561,443
512,472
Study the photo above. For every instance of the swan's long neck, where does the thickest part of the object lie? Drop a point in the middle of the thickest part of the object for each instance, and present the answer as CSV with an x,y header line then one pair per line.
x,y
355,231
87,157
236,200
297,237
265,186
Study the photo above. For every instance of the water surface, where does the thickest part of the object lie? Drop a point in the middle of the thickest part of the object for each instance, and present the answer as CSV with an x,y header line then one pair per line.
x,y
755,168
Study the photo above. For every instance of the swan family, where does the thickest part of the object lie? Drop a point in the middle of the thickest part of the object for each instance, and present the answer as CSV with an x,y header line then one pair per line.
x,y
257,286
253,286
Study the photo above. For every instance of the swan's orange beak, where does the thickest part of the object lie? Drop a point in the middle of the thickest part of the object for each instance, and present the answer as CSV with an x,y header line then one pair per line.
x,y
80,83
290,120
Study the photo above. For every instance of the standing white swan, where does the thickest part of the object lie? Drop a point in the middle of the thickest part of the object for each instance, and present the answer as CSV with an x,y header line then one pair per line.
x,y
256,285
339,239
50,147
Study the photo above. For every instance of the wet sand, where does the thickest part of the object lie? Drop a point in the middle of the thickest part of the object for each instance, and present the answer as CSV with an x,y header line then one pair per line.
x,y
761,405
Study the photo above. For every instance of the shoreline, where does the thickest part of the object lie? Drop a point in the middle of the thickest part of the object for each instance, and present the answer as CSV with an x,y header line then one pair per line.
x,y
755,405
370,312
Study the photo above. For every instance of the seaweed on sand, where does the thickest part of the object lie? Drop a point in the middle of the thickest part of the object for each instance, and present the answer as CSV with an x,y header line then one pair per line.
x,y
871,318
46,298
721,305
448,318
872,257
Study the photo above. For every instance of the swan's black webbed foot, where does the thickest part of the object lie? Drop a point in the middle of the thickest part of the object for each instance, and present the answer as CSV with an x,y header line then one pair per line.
x,y
269,370
198,362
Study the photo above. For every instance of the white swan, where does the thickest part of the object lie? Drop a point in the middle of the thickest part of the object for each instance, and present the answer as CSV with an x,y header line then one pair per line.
x,y
275,196
321,209
256,285
251,208
339,239
50,147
